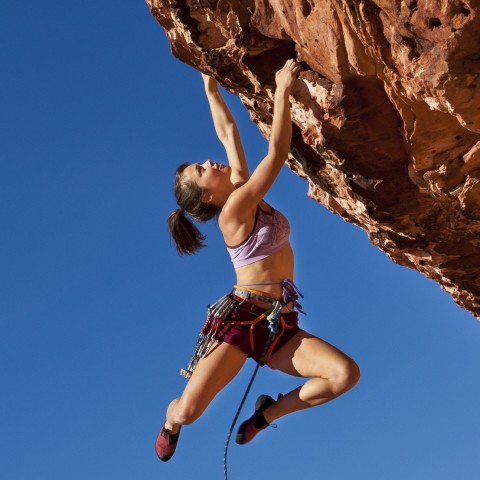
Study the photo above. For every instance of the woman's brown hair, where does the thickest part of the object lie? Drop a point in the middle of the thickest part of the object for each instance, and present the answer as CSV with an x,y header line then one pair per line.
x,y
187,237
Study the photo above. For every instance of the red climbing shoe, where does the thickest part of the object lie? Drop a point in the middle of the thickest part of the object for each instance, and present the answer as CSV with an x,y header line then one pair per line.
x,y
249,428
166,444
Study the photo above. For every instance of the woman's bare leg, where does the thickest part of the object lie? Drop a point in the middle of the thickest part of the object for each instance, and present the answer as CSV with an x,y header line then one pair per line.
x,y
212,373
332,374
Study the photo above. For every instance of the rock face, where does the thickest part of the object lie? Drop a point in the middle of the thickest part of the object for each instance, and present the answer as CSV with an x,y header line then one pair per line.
x,y
386,112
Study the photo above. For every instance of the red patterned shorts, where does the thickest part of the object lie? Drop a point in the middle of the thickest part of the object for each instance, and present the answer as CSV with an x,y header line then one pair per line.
x,y
242,329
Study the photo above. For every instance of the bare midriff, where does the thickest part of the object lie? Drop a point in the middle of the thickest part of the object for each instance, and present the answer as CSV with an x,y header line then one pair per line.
x,y
270,271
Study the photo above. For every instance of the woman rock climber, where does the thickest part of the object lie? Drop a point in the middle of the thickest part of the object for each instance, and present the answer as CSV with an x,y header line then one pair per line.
x,y
257,238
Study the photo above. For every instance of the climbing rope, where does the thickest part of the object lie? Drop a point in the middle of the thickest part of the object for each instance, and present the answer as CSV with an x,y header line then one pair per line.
x,y
290,293
273,319
225,452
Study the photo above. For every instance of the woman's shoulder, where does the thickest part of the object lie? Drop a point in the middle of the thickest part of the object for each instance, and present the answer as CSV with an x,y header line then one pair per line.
x,y
234,227
230,215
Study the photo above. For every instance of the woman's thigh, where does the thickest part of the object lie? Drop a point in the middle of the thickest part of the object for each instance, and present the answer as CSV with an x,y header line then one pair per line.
x,y
306,355
212,373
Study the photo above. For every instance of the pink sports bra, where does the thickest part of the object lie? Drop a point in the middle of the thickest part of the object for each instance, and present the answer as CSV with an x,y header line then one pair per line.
x,y
271,232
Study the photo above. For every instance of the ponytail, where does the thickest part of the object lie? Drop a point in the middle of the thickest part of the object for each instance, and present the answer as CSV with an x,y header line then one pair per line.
x,y
187,237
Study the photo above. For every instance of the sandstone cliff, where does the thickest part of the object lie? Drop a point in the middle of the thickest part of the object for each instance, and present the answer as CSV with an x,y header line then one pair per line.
x,y
386,112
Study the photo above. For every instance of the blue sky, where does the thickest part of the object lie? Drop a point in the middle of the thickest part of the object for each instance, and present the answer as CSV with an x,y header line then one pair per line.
x,y
98,313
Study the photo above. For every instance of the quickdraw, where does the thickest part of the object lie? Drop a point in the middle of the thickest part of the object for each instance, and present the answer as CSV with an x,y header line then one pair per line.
x,y
216,314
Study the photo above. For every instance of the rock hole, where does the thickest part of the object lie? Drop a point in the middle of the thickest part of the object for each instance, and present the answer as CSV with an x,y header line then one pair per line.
x,y
434,22
306,8
458,137
413,5
265,64
464,11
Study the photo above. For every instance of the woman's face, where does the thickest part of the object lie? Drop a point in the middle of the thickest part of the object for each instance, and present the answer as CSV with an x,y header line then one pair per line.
x,y
210,176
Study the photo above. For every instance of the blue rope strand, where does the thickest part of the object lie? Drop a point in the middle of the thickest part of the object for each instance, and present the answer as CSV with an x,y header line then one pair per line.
x,y
247,391
225,452
290,293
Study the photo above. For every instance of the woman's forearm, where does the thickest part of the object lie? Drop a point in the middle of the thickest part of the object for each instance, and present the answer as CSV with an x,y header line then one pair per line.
x,y
246,198
281,135
227,131
223,120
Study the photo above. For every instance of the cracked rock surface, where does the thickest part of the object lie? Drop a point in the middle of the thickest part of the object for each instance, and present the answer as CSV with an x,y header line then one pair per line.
x,y
386,112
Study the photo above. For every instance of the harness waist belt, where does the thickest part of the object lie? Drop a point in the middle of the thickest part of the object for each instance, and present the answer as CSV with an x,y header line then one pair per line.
x,y
248,293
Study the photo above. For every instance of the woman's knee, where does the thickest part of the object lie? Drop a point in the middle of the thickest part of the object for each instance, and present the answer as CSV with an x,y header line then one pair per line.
x,y
345,376
187,411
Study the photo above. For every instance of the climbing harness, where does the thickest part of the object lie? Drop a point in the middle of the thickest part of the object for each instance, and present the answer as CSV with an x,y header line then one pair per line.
x,y
221,309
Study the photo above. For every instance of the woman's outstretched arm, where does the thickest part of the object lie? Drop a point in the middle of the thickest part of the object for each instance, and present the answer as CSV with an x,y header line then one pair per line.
x,y
227,131
246,198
